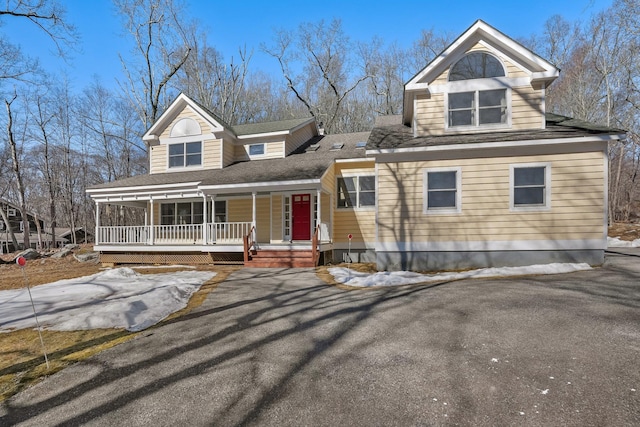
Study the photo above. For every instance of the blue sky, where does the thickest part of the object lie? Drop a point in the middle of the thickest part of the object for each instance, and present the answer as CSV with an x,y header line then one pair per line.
x,y
233,24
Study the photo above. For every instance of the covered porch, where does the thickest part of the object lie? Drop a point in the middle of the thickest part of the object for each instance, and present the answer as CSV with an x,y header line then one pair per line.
x,y
210,220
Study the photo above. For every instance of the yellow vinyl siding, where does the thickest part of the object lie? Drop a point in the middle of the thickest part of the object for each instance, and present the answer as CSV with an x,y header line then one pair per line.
x,y
187,112
240,210
577,201
298,138
360,222
526,108
263,219
228,153
211,153
430,115
272,150
276,215
158,159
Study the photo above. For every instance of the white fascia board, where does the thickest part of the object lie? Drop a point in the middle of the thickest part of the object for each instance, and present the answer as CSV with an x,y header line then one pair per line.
x,y
262,186
358,159
180,102
505,245
142,188
473,146
265,134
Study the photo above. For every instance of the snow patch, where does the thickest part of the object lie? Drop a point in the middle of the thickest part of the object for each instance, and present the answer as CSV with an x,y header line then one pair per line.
x,y
615,242
117,298
354,278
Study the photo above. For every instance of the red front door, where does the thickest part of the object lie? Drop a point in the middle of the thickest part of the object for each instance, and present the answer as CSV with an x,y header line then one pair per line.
x,y
301,213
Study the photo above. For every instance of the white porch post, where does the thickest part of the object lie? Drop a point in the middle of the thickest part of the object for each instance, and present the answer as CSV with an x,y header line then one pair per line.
x,y
254,215
319,214
205,239
214,228
151,234
96,239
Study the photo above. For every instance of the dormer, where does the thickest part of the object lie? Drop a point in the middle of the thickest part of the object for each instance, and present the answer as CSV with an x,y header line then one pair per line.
x,y
483,82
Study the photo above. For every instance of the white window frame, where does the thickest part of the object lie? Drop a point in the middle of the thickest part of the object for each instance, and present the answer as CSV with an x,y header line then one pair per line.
x,y
184,156
11,213
175,211
547,187
257,156
425,192
476,86
357,190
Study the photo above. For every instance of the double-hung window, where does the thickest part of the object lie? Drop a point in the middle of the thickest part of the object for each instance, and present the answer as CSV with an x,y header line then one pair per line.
x,y
181,213
530,186
356,191
186,154
478,108
441,189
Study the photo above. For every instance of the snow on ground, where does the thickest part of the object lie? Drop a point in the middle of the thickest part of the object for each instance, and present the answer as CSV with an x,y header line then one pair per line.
x,y
398,278
117,298
615,242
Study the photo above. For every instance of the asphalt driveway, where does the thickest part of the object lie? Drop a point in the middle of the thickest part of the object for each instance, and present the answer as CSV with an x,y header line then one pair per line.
x,y
278,347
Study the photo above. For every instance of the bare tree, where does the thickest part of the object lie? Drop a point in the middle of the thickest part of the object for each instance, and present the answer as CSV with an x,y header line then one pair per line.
x,y
319,71
163,43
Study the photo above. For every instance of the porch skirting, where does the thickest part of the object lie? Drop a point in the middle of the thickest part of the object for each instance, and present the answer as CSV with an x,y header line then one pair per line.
x,y
168,258
463,260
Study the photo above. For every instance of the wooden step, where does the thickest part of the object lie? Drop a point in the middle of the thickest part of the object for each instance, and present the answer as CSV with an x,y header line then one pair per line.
x,y
281,258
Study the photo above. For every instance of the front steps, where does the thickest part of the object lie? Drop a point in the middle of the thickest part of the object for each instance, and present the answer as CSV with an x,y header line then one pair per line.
x,y
281,258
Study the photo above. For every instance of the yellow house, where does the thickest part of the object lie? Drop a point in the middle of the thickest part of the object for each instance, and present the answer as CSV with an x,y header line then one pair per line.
x,y
474,173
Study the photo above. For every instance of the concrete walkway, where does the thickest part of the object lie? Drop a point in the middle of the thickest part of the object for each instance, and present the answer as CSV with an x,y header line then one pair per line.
x,y
278,347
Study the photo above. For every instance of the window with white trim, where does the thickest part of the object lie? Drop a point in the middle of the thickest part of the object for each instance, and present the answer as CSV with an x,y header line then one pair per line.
x,y
181,213
220,209
186,154
473,99
441,190
356,191
530,186
256,150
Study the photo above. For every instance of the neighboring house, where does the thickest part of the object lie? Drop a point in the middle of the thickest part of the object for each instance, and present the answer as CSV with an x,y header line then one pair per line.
x,y
81,235
474,173
16,224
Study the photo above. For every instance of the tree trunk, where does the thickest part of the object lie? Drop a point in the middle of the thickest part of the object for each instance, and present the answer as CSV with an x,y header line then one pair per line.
x,y
18,175
9,230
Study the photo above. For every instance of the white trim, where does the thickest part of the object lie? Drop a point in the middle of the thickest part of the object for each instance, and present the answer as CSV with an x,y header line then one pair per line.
x,y
487,245
441,211
275,184
184,157
531,142
357,206
359,159
247,148
605,225
355,245
476,107
191,138
543,105
547,187
490,83
143,187
263,135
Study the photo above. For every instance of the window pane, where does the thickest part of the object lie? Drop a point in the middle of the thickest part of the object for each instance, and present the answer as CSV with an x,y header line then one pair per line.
x,y
367,183
368,198
441,180
460,118
167,214
476,65
528,176
184,213
346,192
194,147
461,100
176,149
441,199
492,98
528,196
492,115
221,211
256,149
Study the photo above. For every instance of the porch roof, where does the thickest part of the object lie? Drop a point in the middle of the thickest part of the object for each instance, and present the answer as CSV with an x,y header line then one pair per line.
x,y
301,165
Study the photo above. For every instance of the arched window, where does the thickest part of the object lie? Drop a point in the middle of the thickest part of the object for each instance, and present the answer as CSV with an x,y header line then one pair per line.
x,y
186,127
476,65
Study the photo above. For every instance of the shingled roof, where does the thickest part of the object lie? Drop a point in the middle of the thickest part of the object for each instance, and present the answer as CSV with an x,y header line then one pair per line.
x,y
401,136
302,164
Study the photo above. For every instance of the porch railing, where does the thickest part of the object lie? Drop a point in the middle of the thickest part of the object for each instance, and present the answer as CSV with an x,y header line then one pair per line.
x,y
228,232
178,234
135,234
183,234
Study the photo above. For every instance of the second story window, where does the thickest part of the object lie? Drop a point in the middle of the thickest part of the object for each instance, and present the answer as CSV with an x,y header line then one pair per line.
x,y
185,154
476,96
